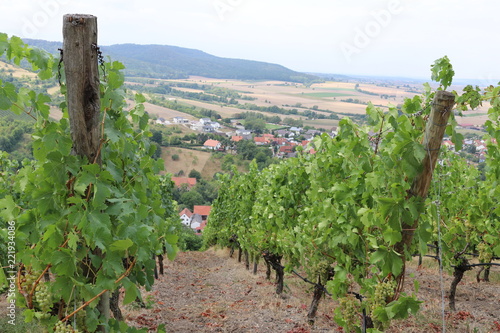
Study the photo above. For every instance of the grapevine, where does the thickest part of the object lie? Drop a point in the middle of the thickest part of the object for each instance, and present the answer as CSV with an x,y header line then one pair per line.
x,y
76,218
350,204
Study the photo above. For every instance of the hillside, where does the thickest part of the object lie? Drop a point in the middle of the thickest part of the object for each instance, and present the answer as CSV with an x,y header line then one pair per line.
x,y
172,62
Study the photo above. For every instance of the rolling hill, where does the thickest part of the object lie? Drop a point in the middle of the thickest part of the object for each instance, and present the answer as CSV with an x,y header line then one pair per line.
x,y
172,62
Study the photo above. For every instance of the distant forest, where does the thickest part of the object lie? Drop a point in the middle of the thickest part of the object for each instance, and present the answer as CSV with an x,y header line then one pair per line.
x,y
172,62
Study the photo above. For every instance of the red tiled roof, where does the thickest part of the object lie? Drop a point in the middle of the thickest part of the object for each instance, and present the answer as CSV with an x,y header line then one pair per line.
x,y
211,143
184,180
186,211
280,141
236,138
260,139
286,149
202,210
269,136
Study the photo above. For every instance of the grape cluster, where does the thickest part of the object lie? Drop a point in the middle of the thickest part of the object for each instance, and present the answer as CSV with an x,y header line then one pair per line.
x,y
383,291
485,253
27,281
64,328
43,297
349,309
321,270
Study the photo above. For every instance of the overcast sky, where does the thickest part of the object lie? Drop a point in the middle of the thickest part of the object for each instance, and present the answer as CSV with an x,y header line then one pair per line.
x,y
364,37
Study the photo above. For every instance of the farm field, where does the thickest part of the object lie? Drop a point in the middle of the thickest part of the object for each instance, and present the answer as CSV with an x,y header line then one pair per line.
x,y
321,96
189,160
16,71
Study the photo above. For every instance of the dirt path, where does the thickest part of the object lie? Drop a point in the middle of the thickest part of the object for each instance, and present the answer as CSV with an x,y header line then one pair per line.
x,y
206,292
210,292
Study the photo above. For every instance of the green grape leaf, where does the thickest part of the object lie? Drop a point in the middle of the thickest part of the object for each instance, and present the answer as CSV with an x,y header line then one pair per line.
x,y
8,95
121,245
131,293
442,72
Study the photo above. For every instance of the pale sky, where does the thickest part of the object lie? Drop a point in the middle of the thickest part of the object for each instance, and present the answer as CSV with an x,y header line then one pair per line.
x,y
364,37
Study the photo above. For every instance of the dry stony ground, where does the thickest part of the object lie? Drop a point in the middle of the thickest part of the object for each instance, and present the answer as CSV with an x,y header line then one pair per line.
x,y
210,292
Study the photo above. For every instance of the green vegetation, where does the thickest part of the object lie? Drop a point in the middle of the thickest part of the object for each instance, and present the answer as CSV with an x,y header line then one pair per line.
x,y
11,133
272,127
203,193
348,215
94,228
189,240
21,326
172,62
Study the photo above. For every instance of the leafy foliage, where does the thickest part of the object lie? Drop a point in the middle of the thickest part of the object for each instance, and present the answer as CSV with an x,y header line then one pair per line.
x,y
94,227
347,205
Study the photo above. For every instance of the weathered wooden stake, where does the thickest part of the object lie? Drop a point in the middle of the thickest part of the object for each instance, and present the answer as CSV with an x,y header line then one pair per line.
x,y
82,83
441,109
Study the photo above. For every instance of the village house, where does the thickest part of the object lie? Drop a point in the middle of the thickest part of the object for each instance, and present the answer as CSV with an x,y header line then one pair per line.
x,y
282,133
196,222
207,129
243,132
203,212
286,151
280,141
261,141
162,121
180,120
212,144
186,216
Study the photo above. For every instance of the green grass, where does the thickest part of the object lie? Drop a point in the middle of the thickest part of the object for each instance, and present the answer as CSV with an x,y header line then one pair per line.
x,y
20,326
274,127
322,123
326,94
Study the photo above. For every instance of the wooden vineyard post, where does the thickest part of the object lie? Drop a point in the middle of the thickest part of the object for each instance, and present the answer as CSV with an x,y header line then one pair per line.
x,y
80,56
82,83
441,109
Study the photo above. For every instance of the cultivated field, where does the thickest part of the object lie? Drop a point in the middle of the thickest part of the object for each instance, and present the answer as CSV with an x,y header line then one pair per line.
x,y
189,160
323,96
17,72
